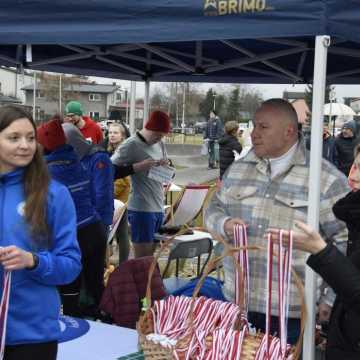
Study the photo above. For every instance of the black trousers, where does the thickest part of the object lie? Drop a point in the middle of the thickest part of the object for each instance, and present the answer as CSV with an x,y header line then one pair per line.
x,y
40,351
92,241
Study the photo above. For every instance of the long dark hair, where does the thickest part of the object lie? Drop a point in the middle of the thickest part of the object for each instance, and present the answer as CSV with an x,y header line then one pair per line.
x,y
36,178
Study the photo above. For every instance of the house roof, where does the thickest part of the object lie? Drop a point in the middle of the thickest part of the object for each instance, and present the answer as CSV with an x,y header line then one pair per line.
x,y
302,110
87,88
9,99
14,71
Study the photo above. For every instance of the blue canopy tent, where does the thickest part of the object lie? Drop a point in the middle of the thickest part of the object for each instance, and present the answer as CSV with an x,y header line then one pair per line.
x,y
189,40
244,41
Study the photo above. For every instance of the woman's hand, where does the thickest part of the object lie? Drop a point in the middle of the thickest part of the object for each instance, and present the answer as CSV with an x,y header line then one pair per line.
x,y
307,240
14,258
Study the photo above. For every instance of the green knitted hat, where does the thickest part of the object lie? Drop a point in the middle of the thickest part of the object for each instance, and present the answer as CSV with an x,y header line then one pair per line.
x,y
73,107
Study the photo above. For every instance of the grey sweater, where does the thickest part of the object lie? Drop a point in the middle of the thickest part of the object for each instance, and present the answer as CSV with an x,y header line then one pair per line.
x,y
146,194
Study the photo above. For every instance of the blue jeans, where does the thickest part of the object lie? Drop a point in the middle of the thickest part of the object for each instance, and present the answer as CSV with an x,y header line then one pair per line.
x,y
258,320
212,157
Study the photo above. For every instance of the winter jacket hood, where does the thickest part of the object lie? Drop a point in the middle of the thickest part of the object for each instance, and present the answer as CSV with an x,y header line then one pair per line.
x,y
65,167
75,138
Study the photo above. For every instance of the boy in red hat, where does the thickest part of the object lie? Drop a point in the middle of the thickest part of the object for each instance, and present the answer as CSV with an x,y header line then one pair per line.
x,y
139,154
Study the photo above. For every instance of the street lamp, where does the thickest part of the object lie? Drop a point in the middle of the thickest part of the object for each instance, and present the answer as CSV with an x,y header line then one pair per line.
x,y
214,95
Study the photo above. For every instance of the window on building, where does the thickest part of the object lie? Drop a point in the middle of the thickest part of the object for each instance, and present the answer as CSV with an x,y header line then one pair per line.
x,y
95,115
94,97
118,96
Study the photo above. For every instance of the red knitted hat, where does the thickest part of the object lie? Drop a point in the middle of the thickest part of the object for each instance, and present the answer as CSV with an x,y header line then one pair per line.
x,y
51,135
158,121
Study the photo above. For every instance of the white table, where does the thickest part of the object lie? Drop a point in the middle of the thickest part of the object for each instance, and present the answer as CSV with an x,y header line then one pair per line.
x,y
101,342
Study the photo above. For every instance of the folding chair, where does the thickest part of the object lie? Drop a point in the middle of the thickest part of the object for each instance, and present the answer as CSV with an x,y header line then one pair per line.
x,y
119,210
188,206
186,250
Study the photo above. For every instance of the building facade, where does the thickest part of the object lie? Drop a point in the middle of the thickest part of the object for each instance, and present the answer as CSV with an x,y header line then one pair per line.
x,y
12,82
96,99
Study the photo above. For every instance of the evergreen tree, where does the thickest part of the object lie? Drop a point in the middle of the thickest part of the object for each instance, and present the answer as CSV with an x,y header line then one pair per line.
x,y
207,104
309,95
233,106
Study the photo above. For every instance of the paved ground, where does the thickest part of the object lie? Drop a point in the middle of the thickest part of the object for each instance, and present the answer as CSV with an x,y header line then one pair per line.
x,y
196,175
193,165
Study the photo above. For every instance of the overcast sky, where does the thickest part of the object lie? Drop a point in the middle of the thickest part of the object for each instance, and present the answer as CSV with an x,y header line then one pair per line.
x,y
268,91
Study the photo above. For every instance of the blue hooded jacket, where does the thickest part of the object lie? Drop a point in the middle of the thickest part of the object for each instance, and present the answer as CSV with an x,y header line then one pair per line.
x,y
97,163
65,167
34,304
100,169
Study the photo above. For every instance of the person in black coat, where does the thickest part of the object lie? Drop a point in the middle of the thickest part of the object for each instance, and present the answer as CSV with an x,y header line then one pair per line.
x,y
345,143
329,150
340,272
228,144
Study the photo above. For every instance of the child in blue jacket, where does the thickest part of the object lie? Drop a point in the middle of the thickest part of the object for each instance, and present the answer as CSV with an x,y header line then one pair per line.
x,y
97,163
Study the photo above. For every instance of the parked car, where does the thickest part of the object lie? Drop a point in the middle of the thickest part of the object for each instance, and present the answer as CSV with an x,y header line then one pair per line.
x,y
186,131
200,127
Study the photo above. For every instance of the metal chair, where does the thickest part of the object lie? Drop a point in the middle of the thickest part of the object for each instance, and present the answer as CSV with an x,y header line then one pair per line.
x,y
186,250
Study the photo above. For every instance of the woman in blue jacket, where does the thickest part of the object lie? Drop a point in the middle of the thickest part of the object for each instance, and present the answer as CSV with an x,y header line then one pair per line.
x,y
38,240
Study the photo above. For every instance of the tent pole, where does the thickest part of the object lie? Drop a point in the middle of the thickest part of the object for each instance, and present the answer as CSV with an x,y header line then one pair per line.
x,y
34,97
132,107
321,46
146,101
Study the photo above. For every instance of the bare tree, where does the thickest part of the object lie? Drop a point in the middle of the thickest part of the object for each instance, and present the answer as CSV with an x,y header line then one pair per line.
x,y
50,86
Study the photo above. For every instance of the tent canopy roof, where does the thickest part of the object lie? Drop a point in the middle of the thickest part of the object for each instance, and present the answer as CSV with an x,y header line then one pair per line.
x,y
187,40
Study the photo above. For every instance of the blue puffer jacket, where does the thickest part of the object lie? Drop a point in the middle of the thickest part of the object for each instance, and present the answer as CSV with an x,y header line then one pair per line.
x,y
65,167
34,305
100,169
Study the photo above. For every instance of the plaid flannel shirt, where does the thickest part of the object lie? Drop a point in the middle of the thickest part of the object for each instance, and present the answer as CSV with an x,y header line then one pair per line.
x,y
248,192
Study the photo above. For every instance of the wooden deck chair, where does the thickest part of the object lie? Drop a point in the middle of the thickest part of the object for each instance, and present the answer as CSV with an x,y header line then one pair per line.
x,y
188,206
119,210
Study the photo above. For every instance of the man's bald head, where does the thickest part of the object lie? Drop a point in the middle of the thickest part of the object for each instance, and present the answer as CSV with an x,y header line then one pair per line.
x,y
283,107
275,128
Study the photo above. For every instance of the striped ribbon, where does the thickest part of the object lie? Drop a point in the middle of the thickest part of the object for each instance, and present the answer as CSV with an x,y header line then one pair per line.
x,y
240,240
272,347
4,306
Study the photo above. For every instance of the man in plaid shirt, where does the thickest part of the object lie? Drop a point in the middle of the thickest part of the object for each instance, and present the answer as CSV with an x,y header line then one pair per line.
x,y
269,188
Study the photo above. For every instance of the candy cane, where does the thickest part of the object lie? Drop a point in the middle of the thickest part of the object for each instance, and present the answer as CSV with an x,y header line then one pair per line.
x,y
4,308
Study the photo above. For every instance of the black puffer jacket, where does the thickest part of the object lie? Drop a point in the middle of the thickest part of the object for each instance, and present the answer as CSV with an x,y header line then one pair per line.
x,y
227,145
347,209
343,275
345,151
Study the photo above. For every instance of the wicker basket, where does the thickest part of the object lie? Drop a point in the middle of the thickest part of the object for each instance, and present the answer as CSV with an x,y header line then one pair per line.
x,y
250,344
